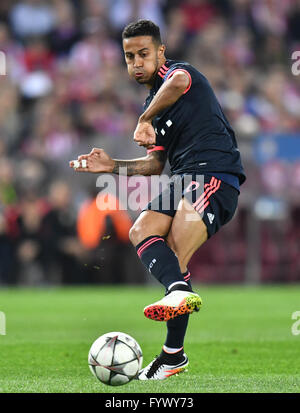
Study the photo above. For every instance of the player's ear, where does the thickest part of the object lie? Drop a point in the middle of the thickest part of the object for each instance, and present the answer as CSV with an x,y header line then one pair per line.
x,y
161,50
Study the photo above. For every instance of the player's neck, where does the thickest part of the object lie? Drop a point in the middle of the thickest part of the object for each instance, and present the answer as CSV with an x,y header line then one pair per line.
x,y
161,62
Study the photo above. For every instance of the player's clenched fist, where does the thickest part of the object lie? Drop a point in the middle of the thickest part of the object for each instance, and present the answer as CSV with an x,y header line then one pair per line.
x,y
144,134
97,161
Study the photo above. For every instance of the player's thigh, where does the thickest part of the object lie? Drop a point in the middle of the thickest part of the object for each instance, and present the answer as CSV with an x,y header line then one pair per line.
x,y
150,223
187,233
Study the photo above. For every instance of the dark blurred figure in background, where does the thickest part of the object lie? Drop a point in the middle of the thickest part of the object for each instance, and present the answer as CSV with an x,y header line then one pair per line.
x,y
7,255
30,248
63,251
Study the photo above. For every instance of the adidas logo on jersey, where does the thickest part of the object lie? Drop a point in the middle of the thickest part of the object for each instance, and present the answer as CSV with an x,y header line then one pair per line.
x,y
210,217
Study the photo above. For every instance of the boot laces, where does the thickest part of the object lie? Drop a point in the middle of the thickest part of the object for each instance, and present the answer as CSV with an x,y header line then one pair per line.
x,y
155,367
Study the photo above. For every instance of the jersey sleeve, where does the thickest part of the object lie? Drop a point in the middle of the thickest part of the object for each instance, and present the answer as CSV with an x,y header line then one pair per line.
x,y
182,67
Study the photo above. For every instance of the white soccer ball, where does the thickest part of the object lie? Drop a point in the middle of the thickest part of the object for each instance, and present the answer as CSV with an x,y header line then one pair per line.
x,y
115,358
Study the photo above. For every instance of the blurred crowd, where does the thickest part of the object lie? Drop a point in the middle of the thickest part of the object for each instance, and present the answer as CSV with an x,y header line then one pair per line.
x,y
66,90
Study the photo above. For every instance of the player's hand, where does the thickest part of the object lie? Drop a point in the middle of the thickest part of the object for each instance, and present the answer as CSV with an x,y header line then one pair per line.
x,y
97,161
144,134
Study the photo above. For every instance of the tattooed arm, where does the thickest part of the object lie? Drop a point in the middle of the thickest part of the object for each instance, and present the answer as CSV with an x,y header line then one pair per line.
x,y
97,161
152,164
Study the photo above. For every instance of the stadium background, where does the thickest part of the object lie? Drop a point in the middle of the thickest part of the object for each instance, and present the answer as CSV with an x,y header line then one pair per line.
x,y
66,90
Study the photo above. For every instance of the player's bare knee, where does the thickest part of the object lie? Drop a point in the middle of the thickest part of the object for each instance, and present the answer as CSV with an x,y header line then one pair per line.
x,y
138,232
133,234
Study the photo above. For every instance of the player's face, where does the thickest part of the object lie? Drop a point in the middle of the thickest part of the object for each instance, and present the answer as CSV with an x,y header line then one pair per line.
x,y
143,58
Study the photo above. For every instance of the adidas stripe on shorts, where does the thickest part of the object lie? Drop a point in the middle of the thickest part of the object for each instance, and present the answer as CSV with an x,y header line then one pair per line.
x,y
213,199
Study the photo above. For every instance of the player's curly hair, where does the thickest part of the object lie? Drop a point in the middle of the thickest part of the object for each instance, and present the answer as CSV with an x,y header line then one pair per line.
x,y
142,28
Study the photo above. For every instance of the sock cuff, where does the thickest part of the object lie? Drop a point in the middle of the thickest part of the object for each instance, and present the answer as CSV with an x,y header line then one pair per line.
x,y
142,246
170,350
177,283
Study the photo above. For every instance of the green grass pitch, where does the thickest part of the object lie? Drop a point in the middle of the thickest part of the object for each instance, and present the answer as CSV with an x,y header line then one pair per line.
x,y
240,341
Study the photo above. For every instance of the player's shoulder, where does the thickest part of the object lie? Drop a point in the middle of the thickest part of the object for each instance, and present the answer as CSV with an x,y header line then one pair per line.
x,y
180,63
173,65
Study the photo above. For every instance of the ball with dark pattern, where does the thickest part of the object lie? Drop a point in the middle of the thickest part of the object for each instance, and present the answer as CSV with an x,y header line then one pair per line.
x,y
115,358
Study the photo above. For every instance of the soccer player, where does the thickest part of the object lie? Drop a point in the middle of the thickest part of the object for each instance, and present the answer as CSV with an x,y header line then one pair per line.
x,y
182,121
